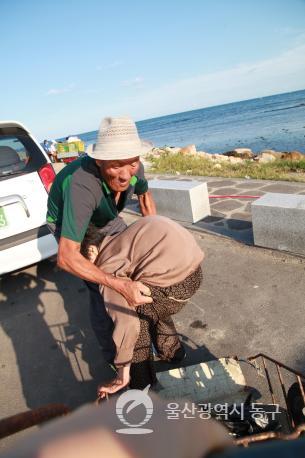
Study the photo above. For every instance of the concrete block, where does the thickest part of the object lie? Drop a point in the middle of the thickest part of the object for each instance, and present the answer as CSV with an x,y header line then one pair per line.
x,y
181,200
279,222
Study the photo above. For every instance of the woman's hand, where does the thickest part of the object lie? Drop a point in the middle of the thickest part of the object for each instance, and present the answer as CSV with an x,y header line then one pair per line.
x,y
134,292
117,384
92,253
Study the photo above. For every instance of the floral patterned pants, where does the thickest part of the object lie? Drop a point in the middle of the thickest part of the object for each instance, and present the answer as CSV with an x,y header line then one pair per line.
x,y
157,327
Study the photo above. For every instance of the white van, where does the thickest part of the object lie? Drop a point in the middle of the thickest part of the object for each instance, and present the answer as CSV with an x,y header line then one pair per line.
x,y
26,175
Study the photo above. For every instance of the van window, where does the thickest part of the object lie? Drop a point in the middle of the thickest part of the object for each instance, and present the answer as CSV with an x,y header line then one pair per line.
x,y
19,154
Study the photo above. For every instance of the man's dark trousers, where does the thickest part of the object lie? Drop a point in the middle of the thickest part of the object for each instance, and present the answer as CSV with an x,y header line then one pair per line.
x,y
101,322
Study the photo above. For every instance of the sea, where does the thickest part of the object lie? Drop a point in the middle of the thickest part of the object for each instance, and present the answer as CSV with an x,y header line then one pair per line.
x,y
276,122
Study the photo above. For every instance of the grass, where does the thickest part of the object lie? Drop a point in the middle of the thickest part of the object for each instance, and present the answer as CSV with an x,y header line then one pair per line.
x,y
198,166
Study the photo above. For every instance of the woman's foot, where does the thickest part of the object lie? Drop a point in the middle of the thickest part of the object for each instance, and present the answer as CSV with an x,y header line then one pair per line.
x,y
120,382
179,355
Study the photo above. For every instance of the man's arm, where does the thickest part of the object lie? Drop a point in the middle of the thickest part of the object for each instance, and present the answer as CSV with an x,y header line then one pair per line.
x,y
70,259
146,201
147,204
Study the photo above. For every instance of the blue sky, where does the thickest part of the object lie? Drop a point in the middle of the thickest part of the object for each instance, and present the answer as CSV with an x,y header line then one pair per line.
x,y
67,64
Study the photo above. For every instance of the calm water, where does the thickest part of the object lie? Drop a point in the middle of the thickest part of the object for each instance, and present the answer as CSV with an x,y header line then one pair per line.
x,y
275,122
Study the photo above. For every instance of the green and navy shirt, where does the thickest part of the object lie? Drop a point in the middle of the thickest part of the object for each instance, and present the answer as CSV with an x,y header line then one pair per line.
x,y
79,195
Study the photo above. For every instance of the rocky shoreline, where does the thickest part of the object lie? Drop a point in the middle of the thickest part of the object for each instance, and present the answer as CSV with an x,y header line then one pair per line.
x,y
238,155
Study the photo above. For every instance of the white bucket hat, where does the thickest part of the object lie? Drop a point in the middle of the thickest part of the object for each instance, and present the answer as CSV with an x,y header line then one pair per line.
x,y
118,138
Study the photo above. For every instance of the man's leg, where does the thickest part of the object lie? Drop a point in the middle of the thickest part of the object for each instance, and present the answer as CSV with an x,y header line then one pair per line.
x,y
101,323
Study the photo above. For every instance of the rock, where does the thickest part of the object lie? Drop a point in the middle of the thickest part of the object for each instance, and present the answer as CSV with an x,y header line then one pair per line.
x,y
156,152
263,158
146,164
220,157
243,153
189,149
217,166
204,155
293,156
172,150
276,154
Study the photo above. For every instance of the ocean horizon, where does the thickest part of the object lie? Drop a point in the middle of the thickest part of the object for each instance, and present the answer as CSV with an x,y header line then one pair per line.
x,y
274,122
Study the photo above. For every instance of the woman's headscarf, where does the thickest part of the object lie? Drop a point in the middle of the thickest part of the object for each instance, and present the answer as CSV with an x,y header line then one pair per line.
x,y
154,250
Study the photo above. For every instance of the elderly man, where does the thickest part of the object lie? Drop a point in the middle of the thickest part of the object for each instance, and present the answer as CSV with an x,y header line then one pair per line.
x,y
95,190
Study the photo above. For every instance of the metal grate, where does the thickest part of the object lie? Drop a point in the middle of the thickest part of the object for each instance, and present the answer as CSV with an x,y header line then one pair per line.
x,y
276,375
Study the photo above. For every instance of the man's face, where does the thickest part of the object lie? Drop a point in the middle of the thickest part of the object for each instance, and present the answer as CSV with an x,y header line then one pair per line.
x,y
117,173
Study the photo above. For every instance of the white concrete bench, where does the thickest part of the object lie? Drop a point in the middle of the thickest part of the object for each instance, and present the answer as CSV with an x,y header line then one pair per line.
x,y
279,222
181,200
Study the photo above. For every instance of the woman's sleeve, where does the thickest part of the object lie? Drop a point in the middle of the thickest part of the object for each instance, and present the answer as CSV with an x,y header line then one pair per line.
x,y
126,325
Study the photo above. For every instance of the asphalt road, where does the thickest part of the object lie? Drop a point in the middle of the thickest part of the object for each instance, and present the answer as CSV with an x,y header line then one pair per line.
x,y
251,300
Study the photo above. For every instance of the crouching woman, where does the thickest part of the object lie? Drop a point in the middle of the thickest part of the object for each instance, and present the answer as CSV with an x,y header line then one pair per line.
x,y
166,258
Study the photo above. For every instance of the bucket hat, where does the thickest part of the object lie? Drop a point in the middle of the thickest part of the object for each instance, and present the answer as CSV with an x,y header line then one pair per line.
x,y
118,138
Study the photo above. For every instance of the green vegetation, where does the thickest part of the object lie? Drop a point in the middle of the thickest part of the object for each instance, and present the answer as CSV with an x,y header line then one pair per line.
x,y
198,166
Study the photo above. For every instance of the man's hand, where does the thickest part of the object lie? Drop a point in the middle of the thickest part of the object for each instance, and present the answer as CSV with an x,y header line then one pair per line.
x,y
134,292
147,204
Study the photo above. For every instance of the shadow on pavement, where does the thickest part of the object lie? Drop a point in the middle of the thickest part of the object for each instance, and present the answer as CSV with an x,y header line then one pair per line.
x,y
236,229
56,352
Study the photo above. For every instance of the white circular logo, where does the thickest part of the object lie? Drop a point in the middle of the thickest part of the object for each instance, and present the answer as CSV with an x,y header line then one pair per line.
x,y
135,398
